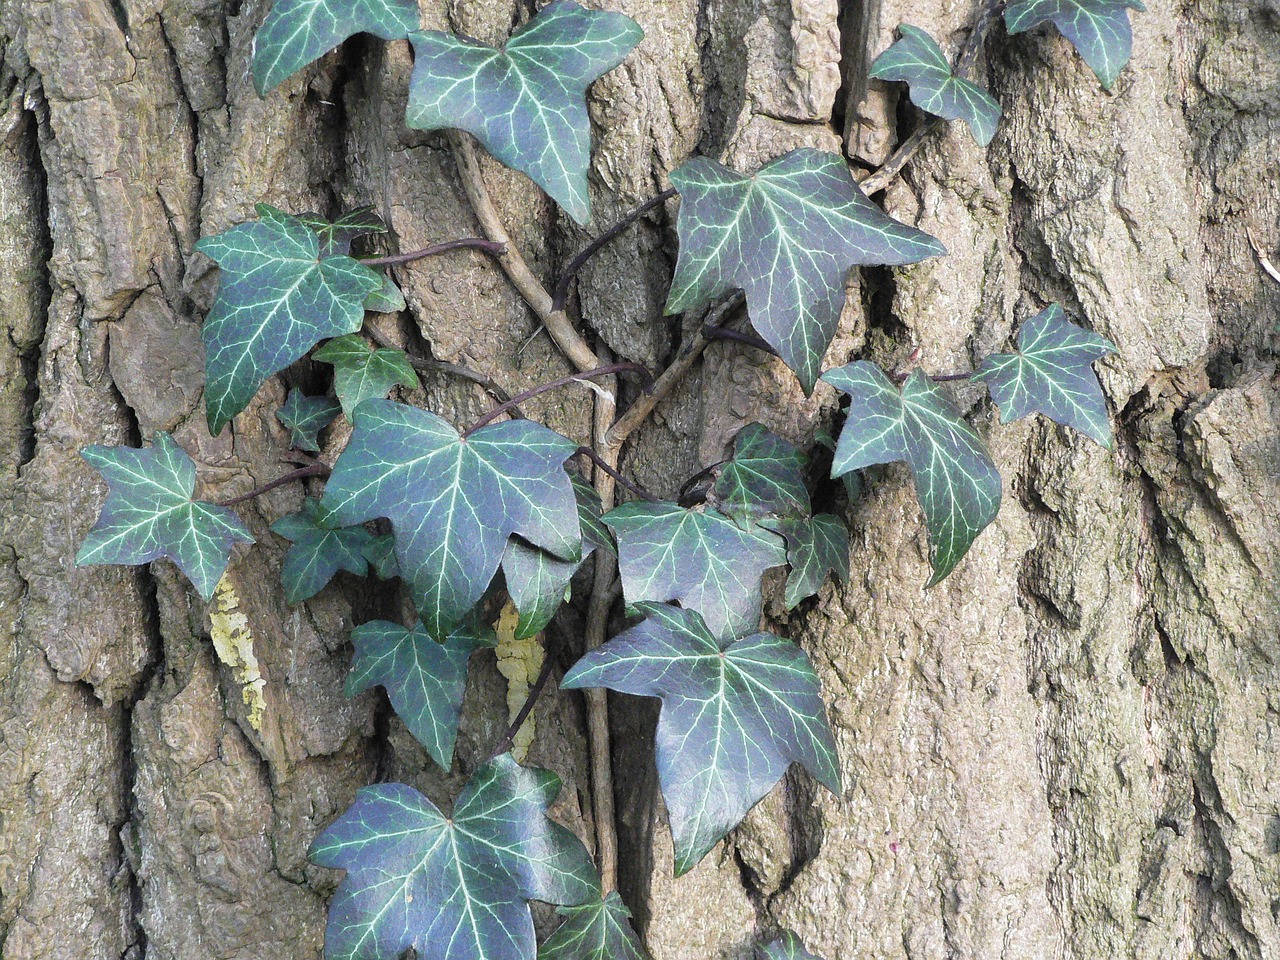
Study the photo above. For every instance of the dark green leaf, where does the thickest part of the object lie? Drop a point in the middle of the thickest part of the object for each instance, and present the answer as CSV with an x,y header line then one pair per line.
x,y
597,930
361,372
763,479
297,32
381,554
1050,374
1099,29
538,584
425,680
453,503
304,417
787,237
700,558
337,237
452,888
589,515
814,547
919,61
320,549
527,102
734,716
277,299
149,514
389,299
786,947
957,483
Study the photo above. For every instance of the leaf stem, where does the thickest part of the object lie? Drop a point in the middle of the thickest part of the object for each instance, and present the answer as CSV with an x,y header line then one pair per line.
x,y
600,462
724,333
524,395
466,243
875,182
901,376
431,365
316,469
549,657
561,294
687,487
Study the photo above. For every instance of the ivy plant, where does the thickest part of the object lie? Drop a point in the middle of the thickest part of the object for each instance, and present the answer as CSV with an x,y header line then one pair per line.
x,y
507,515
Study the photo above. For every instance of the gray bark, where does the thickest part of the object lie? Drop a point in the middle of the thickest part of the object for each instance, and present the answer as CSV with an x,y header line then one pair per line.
x,y
1067,749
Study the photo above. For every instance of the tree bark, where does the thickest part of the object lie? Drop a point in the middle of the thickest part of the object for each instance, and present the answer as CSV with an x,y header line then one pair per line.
x,y
1069,748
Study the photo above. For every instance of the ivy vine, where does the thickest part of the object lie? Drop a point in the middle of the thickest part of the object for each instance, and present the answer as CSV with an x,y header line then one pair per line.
x,y
507,510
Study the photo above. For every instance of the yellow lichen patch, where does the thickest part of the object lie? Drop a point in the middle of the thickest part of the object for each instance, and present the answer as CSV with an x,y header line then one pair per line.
x,y
233,642
519,661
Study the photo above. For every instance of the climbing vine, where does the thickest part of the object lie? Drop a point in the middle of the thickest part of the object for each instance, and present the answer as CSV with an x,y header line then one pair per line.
x,y
502,513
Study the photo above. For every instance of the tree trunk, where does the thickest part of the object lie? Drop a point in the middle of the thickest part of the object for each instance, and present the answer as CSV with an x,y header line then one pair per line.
x,y
1069,748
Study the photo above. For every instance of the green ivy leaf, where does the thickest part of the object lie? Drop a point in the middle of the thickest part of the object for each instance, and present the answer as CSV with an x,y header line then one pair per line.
x,y
296,32
596,930
787,237
390,299
538,584
452,888
453,503
304,417
425,680
763,479
361,372
815,546
1099,29
787,946
526,103
589,515
920,62
320,549
700,558
735,714
149,514
1051,374
381,554
337,236
957,483
277,299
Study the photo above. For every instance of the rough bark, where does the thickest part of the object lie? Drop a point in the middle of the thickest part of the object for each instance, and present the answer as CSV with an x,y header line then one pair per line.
x,y
1066,749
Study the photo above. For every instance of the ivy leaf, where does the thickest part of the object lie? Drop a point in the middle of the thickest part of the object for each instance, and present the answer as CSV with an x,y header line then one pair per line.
x,y
786,947
787,237
589,515
304,417
320,549
453,503
526,103
538,584
1051,374
337,236
390,299
1099,29
381,554
735,714
700,558
425,680
361,372
957,483
815,546
596,930
764,478
278,298
149,514
297,32
919,61
452,888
